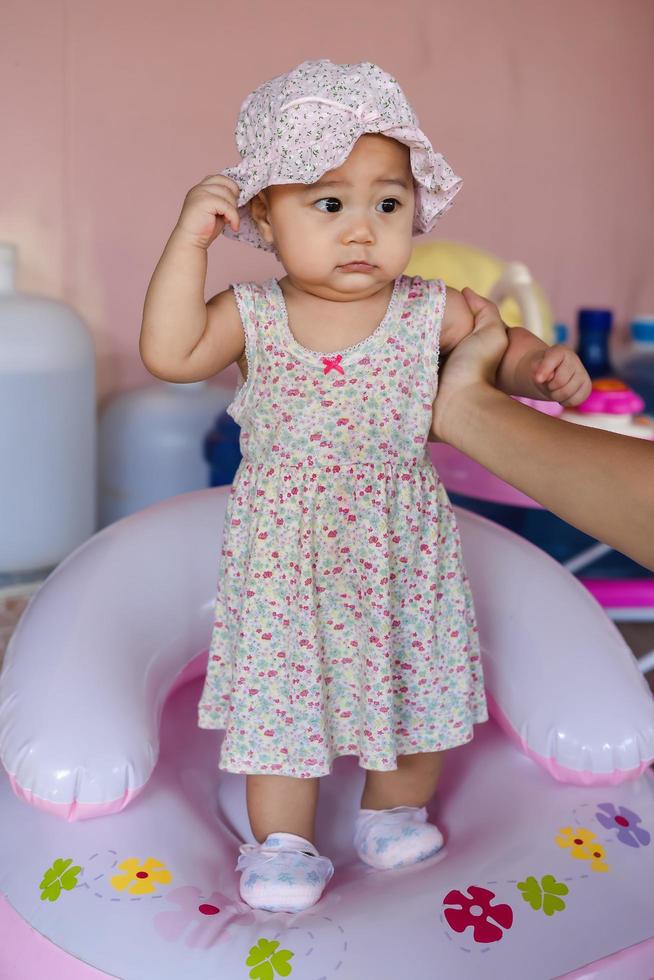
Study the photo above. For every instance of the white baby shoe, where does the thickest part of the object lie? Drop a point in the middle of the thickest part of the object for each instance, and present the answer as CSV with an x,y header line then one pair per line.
x,y
395,838
284,874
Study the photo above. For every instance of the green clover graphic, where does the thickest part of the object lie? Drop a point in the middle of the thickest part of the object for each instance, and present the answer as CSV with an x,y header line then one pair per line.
x,y
59,876
267,961
547,899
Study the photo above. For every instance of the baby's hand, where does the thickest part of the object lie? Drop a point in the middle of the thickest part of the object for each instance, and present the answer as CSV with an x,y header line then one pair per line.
x,y
560,375
207,207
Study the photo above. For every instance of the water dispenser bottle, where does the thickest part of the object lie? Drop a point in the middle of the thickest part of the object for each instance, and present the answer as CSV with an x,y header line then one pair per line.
x,y
48,430
152,444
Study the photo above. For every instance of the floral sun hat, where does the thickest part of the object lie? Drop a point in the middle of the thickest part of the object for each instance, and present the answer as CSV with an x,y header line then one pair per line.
x,y
297,126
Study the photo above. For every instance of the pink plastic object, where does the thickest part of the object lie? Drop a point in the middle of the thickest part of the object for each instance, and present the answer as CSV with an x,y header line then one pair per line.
x,y
632,593
546,407
611,398
125,619
463,475
500,816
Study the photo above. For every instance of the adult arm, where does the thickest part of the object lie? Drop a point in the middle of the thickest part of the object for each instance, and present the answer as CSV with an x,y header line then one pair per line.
x,y
598,481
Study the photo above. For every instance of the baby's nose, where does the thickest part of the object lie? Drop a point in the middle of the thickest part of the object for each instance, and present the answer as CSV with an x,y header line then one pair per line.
x,y
359,230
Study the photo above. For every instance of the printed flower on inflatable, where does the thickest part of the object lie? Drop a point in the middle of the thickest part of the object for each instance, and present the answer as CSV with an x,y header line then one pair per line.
x,y
546,895
141,878
625,821
478,911
60,875
583,846
268,960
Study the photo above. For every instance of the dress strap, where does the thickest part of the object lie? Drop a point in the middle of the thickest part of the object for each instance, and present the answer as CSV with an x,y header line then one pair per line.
x,y
259,320
245,296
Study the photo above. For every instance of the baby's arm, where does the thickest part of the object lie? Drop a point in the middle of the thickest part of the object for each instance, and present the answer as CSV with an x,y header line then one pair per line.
x,y
529,367
183,338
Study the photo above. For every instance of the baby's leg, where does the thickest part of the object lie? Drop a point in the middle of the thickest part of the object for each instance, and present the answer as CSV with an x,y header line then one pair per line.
x,y
282,804
391,828
283,872
413,783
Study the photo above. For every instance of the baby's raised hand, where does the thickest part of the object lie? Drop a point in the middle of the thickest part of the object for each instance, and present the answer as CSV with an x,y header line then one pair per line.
x,y
207,207
560,375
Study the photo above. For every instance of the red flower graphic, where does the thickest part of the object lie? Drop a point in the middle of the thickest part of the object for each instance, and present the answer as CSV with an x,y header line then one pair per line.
x,y
477,912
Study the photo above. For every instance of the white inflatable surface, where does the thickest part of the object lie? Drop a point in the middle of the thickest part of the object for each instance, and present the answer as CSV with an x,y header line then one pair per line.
x,y
501,815
538,878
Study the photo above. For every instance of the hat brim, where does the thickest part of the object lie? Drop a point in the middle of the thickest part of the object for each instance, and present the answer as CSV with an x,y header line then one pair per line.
x,y
436,185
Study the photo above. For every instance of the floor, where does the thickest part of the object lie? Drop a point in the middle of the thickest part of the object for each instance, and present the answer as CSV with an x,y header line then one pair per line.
x,y
12,603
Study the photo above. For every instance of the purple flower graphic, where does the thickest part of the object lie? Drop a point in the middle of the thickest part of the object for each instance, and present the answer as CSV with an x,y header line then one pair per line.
x,y
625,822
202,921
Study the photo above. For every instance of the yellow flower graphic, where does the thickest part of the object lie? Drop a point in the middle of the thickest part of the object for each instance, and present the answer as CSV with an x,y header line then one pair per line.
x,y
141,877
597,862
583,846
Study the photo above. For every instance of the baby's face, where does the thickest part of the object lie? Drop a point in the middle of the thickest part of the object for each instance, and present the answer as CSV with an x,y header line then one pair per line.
x,y
361,211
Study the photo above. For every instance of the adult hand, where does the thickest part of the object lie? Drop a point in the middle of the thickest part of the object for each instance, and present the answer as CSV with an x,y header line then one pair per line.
x,y
473,362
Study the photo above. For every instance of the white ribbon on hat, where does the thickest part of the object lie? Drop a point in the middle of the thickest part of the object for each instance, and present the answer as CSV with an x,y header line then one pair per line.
x,y
366,112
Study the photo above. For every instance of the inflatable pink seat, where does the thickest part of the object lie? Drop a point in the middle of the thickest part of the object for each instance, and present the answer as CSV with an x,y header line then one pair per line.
x,y
538,872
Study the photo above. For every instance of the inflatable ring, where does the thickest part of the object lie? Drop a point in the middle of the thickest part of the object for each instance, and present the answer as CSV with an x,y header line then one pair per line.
x,y
537,874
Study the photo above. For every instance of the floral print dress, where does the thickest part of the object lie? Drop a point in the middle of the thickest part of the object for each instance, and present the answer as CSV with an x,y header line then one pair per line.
x,y
344,622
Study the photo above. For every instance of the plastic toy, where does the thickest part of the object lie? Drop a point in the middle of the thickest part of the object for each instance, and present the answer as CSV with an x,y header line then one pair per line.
x,y
613,406
520,300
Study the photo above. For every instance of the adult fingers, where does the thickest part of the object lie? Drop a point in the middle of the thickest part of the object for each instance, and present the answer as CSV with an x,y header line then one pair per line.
x,y
483,310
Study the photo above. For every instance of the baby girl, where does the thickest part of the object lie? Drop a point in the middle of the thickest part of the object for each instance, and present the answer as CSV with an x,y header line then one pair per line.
x,y
344,623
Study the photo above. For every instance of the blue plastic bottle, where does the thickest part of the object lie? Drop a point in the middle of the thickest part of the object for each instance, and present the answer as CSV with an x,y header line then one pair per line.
x,y
222,450
594,327
561,333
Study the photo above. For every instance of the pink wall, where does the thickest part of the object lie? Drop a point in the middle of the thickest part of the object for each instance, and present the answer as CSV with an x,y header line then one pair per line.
x,y
113,111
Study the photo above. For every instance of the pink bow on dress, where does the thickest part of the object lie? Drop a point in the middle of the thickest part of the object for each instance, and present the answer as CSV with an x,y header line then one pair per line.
x,y
333,362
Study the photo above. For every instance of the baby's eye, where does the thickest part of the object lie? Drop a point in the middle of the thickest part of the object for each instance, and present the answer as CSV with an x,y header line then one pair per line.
x,y
390,200
334,200
331,200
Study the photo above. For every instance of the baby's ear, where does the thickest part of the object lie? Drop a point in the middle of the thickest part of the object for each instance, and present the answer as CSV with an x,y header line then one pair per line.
x,y
259,214
259,209
256,206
